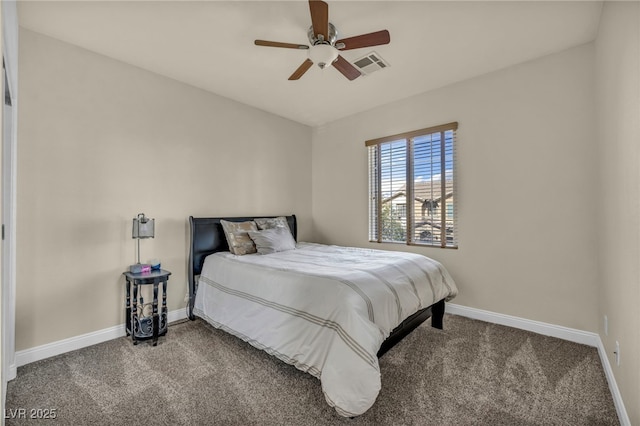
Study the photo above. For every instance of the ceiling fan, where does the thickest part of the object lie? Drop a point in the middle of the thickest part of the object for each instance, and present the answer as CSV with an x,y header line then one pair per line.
x,y
325,48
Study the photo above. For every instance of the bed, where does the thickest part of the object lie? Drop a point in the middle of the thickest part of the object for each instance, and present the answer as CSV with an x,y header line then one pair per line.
x,y
329,311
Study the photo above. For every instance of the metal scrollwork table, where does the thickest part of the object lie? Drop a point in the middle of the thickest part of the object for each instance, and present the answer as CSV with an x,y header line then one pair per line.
x,y
140,324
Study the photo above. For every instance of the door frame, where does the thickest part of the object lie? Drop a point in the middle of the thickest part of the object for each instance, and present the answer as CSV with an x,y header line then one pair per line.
x,y
8,368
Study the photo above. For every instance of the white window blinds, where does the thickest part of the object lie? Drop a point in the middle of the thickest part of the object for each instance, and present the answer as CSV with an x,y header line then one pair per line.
x,y
412,197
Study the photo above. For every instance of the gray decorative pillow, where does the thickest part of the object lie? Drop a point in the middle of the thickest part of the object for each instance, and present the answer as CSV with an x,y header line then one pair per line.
x,y
272,222
237,236
273,240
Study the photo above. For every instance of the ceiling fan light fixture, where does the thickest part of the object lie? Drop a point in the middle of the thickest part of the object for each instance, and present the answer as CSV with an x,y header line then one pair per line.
x,y
323,55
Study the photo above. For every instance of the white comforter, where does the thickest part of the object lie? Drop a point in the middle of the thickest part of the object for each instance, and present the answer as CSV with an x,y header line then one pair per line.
x,y
324,309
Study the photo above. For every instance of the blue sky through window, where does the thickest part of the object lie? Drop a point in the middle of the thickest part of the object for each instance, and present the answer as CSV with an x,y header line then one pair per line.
x,y
427,164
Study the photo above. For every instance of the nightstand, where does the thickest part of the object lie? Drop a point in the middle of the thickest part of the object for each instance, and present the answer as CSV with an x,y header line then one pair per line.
x,y
140,323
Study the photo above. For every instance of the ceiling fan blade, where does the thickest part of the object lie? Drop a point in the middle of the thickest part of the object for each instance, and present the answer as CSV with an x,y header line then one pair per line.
x,y
348,70
301,70
278,44
319,17
365,40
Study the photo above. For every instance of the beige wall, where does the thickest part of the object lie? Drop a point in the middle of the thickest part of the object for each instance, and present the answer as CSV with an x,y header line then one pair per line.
x,y
100,141
526,160
618,100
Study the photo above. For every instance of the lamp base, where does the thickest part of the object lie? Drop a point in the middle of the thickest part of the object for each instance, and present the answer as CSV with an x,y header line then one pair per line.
x,y
140,268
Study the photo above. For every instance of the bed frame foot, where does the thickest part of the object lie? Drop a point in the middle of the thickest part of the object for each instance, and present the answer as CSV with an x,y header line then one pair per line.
x,y
437,314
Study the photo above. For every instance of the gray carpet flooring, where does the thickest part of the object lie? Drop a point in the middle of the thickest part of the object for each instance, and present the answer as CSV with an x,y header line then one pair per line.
x,y
471,373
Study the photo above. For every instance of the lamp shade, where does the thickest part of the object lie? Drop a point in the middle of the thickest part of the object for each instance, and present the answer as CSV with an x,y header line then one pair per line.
x,y
323,55
143,227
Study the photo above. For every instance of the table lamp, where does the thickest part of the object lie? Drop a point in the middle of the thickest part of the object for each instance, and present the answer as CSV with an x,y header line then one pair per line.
x,y
143,227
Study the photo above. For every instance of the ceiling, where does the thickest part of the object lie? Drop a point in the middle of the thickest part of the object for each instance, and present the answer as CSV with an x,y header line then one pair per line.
x,y
209,44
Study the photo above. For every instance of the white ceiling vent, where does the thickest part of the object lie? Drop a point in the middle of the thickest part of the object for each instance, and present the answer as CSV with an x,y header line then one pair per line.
x,y
369,63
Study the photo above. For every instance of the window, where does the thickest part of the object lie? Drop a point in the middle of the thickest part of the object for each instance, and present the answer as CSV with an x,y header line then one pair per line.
x,y
412,187
400,210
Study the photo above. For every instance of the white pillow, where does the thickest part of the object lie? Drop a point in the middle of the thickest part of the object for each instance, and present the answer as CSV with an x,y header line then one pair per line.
x,y
273,240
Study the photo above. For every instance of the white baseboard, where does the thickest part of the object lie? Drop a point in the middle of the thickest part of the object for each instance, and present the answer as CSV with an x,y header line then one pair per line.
x,y
570,334
38,353
613,386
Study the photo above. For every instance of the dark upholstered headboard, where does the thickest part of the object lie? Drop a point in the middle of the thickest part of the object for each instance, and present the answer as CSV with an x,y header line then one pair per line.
x,y
207,237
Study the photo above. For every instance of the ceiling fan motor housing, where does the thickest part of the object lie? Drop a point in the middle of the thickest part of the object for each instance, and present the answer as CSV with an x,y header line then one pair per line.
x,y
331,39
